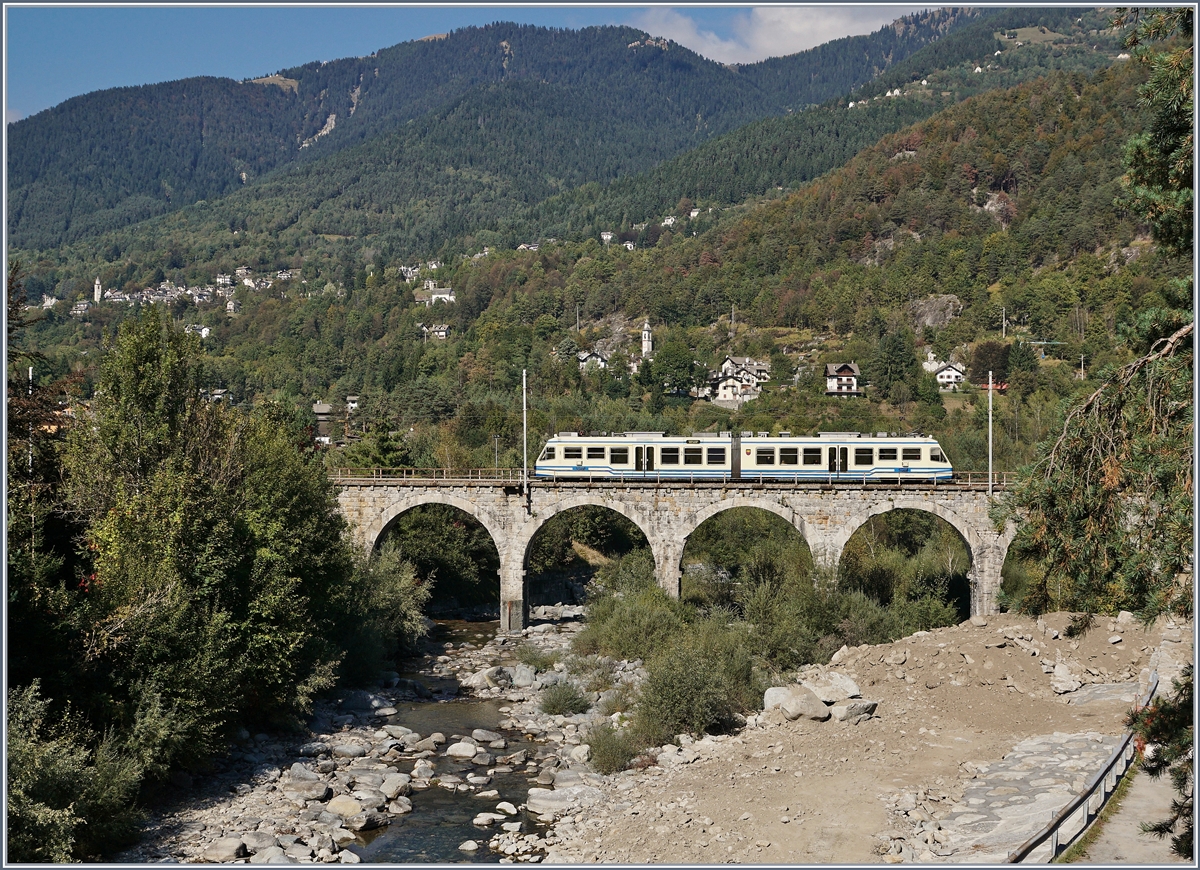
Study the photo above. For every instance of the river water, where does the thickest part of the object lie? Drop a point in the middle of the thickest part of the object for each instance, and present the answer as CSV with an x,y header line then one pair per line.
x,y
441,818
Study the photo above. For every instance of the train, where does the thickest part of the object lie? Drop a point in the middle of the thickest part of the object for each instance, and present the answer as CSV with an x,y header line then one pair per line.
x,y
827,457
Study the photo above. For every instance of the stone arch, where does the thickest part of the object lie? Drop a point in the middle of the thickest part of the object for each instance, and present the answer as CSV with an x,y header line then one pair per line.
x,y
773,506
375,529
524,537
985,546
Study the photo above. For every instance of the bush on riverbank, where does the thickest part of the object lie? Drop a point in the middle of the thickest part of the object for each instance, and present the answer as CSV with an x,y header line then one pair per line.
x,y
612,749
564,699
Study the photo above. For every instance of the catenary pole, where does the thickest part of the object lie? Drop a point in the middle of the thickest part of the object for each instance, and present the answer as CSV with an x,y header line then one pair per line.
x,y
524,434
991,391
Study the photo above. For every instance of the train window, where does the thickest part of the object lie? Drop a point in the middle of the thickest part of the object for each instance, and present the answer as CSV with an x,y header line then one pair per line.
x,y
692,455
812,455
572,453
935,455
595,453
789,455
548,453
887,454
864,455
669,456
716,456
765,455
911,454
619,455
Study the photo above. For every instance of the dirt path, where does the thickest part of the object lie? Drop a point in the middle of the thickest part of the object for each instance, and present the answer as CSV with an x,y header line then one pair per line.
x,y
1122,841
951,703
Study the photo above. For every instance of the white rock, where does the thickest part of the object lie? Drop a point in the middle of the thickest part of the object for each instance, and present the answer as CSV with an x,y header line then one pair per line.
x,y
468,846
832,687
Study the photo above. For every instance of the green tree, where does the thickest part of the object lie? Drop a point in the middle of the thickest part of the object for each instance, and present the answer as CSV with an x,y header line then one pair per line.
x,y
895,362
1158,181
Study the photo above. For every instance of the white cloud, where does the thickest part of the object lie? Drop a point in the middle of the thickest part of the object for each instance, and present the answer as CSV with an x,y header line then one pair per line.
x,y
769,31
11,116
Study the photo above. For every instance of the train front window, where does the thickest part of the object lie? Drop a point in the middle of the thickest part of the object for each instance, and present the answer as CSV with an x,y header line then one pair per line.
x,y
669,456
716,456
789,455
812,455
572,453
887,454
595,453
692,456
548,453
911,454
935,455
619,455
764,455
864,455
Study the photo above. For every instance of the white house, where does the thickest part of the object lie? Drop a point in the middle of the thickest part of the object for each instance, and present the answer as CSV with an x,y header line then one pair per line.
x,y
197,329
950,376
79,309
439,330
607,236
841,379
669,221
591,358
739,379
629,246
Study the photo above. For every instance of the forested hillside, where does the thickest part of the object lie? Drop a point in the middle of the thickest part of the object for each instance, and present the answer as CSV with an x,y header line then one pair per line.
x,y
107,159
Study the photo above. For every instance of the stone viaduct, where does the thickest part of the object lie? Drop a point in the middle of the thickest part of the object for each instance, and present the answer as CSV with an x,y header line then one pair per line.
x,y
668,512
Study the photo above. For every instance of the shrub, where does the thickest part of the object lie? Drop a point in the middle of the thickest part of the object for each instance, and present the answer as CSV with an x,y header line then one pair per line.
x,y
699,683
65,802
536,657
612,750
564,699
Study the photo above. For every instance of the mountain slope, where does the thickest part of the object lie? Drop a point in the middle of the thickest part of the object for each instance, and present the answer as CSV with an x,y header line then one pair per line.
x,y
104,160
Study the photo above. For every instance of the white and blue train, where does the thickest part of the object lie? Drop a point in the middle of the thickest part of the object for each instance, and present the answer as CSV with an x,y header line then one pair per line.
x,y
829,457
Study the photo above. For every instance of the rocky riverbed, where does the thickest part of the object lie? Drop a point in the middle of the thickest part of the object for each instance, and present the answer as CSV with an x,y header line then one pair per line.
x,y
888,761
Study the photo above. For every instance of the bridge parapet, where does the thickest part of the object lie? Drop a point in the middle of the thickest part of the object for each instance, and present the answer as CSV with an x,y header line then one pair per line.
x,y
667,512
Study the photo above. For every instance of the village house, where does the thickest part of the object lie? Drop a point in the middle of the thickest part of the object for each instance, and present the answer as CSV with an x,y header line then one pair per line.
x,y
80,308
233,306
669,220
841,379
738,379
197,329
607,236
950,376
224,280
629,246
591,358
439,331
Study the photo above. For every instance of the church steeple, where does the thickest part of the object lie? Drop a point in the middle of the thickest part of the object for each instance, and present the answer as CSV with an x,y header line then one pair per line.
x,y
647,340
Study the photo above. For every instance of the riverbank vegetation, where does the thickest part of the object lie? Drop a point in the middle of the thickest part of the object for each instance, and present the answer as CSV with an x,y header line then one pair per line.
x,y
177,570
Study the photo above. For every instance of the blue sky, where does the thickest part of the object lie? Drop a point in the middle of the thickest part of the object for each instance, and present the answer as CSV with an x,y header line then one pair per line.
x,y
53,53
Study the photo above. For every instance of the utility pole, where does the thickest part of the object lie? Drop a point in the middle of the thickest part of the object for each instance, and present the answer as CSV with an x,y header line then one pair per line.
x,y
577,317
496,450
1003,323
991,391
1082,375
524,434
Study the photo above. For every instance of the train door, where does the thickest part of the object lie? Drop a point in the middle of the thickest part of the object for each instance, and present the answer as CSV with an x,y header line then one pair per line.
x,y
643,459
735,455
838,459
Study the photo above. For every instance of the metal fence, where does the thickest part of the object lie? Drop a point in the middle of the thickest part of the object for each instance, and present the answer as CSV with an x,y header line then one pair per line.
x,y
1044,846
512,476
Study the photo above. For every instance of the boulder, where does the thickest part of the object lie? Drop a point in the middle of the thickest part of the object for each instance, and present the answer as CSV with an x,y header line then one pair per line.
x,y
482,735
224,850
544,802
400,806
802,703
358,700
852,709
507,808
524,676
581,753
298,772
461,750
367,821
395,785
257,841
349,750
396,731
1064,680
306,790
270,855
344,805
311,750
832,687
468,846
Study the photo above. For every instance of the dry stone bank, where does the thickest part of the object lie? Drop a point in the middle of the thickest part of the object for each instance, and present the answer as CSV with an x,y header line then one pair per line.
x,y
948,746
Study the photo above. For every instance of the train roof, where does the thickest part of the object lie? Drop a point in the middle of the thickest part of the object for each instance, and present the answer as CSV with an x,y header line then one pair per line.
x,y
830,436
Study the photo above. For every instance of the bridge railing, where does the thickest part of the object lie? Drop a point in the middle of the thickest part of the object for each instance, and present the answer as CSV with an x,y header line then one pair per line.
x,y
456,475
512,476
